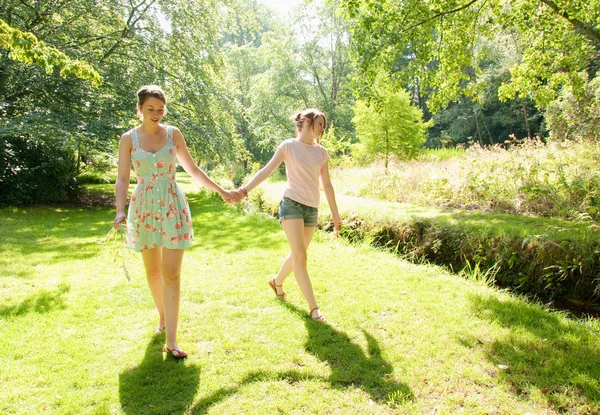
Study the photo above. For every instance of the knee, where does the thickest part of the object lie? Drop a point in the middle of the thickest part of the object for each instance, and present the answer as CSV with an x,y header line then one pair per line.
x,y
299,258
171,278
153,275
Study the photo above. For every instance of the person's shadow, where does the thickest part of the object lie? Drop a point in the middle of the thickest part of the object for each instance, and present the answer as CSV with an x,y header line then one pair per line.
x,y
158,385
350,365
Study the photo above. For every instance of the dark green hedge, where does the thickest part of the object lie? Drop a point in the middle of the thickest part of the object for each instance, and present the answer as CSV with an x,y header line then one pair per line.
x,y
33,172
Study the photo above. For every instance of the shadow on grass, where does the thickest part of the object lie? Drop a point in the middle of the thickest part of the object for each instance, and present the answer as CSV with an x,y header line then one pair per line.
x,y
555,355
40,302
157,385
350,367
292,376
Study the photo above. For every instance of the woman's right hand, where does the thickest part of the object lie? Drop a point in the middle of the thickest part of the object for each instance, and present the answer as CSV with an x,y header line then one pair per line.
x,y
120,217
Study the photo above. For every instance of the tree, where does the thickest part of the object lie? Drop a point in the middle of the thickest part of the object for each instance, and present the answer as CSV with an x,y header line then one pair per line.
x,y
242,38
556,44
325,54
486,120
389,124
26,48
129,43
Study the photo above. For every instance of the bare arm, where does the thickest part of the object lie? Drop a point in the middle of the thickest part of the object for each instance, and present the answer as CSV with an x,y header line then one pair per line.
x,y
330,195
266,171
188,164
122,183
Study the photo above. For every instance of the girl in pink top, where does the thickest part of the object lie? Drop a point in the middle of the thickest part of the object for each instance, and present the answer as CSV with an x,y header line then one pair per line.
x,y
305,161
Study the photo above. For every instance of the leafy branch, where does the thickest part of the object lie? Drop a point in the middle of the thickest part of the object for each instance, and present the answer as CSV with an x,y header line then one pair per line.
x,y
26,48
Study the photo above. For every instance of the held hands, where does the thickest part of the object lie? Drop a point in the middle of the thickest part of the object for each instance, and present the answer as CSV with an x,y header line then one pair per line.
x,y
234,196
231,196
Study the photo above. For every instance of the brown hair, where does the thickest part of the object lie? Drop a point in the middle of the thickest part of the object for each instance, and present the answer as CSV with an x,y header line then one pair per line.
x,y
150,91
310,114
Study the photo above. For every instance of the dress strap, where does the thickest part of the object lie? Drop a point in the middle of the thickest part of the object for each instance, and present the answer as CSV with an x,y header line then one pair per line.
x,y
135,140
170,134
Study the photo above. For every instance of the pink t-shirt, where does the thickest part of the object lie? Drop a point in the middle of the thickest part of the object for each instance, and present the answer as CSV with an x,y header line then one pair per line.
x,y
303,164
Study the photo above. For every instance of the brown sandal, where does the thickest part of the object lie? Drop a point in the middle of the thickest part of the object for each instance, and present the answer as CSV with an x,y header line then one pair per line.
x,y
274,287
176,353
320,318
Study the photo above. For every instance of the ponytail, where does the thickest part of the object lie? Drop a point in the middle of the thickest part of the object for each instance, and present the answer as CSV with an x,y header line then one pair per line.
x,y
310,114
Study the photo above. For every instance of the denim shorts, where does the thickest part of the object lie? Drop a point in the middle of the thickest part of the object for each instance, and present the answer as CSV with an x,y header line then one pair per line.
x,y
290,209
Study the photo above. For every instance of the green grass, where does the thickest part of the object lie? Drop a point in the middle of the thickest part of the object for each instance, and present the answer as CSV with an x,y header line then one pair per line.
x,y
77,337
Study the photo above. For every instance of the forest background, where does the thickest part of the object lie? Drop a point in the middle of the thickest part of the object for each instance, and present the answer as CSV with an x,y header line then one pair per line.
x,y
485,105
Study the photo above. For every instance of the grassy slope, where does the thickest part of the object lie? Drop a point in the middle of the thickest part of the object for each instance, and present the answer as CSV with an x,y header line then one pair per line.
x,y
77,337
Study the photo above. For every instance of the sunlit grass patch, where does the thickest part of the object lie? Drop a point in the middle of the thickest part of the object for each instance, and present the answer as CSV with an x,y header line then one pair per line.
x,y
77,337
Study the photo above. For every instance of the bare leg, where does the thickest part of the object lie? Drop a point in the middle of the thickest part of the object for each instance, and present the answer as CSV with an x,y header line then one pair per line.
x,y
288,264
171,269
153,264
295,232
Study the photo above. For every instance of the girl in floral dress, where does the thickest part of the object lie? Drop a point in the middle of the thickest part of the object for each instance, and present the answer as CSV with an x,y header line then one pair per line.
x,y
158,221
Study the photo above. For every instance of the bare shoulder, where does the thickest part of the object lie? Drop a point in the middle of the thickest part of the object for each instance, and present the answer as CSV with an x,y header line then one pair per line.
x,y
126,139
177,135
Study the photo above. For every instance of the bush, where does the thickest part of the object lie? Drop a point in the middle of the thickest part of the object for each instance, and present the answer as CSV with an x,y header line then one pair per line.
x,y
573,116
32,171
554,179
97,177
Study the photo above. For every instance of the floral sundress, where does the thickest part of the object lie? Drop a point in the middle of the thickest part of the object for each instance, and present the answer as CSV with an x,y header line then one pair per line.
x,y
159,214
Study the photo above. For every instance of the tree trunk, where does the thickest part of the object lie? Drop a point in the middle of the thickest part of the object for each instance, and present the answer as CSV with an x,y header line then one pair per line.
x,y
478,129
526,120
387,148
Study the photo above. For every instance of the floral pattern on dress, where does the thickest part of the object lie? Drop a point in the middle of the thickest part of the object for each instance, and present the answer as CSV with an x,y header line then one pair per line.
x,y
159,214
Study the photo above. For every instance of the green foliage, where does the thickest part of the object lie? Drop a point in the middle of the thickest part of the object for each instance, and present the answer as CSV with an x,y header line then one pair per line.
x,y
557,179
173,44
278,66
389,125
26,48
34,172
485,120
338,146
325,55
444,44
576,115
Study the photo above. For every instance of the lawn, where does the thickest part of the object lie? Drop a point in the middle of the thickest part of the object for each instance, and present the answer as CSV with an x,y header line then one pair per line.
x,y
78,337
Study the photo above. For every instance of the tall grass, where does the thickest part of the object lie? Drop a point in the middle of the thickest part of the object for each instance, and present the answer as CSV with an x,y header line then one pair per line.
x,y
557,179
